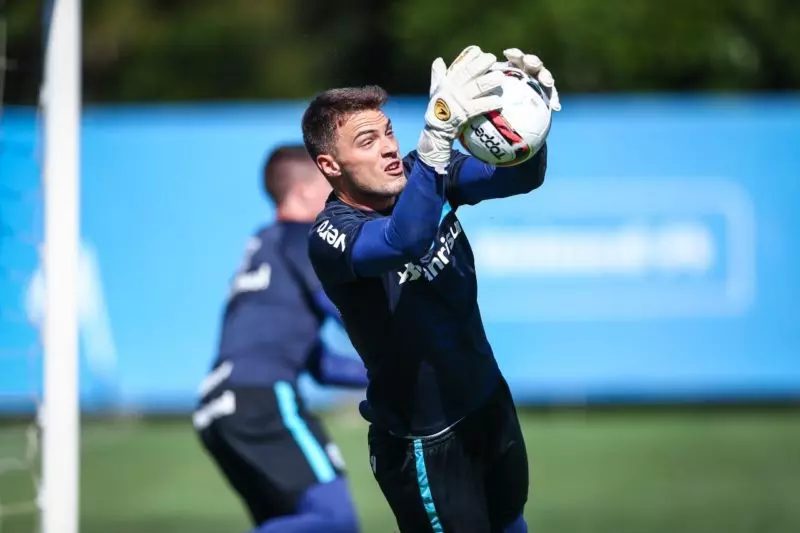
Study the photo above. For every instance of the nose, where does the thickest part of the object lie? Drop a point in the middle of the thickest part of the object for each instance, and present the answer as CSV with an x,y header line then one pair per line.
x,y
389,147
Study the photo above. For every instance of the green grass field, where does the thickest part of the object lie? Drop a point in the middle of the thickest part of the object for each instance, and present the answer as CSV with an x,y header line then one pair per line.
x,y
617,472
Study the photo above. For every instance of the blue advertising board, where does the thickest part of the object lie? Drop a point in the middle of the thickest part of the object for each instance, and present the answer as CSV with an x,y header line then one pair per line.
x,y
659,261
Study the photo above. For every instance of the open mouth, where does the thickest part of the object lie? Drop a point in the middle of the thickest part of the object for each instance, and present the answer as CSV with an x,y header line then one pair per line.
x,y
394,168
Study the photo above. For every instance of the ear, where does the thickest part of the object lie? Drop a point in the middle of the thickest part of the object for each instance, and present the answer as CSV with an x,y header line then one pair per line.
x,y
328,166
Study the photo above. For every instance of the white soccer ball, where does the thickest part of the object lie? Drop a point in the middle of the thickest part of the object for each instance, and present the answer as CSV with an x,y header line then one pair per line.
x,y
515,133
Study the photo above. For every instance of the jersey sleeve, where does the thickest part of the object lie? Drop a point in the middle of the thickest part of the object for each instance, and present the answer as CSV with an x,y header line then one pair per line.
x,y
406,235
330,368
376,244
330,246
470,180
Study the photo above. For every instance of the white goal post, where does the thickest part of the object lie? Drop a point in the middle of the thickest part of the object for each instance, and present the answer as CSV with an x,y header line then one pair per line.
x,y
61,104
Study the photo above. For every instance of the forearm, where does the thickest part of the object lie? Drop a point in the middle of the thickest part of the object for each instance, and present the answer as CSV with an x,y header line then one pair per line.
x,y
406,235
329,368
476,181
325,306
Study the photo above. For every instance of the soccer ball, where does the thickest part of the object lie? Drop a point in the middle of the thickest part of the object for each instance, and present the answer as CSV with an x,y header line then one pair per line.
x,y
515,133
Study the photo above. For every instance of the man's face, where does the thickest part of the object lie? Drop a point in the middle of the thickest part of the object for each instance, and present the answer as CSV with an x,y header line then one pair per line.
x,y
367,155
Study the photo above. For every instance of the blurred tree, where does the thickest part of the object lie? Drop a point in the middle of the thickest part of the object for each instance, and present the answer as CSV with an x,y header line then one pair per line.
x,y
22,27
629,45
195,49
251,49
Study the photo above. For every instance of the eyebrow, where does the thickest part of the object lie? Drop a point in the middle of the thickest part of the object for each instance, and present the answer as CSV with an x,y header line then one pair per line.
x,y
372,130
364,132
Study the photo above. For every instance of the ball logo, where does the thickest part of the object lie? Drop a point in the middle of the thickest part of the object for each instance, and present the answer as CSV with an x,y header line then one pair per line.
x,y
440,110
517,129
488,141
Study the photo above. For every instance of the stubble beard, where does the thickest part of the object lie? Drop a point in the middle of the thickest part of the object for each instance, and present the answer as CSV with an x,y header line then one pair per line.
x,y
385,190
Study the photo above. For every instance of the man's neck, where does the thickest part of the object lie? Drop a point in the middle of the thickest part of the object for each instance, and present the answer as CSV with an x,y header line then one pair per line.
x,y
288,214
367,203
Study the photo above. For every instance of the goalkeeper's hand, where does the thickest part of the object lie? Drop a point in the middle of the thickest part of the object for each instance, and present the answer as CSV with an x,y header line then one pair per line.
x,y
464,90
532,65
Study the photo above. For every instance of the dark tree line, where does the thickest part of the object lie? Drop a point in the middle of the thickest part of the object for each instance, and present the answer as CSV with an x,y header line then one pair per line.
x,y
147,50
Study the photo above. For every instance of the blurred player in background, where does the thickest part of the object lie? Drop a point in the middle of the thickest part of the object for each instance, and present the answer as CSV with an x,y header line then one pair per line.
x,y
251,419
445,444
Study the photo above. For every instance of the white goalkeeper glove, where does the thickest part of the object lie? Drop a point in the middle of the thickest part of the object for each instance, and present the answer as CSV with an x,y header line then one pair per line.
x,y
464,90
533,66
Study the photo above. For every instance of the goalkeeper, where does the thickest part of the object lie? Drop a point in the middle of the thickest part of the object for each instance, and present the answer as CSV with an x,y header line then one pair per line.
x,y
445,444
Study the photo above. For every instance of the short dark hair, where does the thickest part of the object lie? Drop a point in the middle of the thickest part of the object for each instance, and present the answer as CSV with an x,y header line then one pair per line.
x,y
329,110
276,175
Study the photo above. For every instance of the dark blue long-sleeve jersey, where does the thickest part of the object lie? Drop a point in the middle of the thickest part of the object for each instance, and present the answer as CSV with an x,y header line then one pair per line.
x,y
270,329
404,282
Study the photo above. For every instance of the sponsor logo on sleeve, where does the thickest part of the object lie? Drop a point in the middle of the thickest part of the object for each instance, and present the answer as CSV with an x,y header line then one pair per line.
x,y
331,235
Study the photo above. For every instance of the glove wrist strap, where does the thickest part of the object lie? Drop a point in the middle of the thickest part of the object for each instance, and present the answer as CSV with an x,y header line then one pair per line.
x,y
434,150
